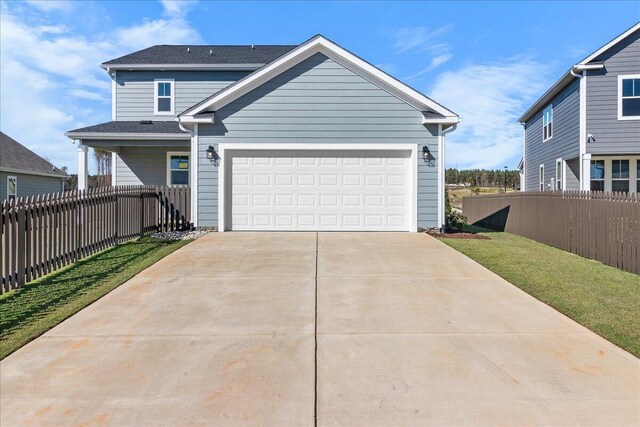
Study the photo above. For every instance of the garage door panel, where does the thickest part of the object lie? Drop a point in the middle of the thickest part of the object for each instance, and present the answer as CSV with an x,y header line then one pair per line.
x,y
320,190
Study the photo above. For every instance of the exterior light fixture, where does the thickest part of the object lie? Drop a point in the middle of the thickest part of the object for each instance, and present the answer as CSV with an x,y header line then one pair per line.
x,y
211,153
426,154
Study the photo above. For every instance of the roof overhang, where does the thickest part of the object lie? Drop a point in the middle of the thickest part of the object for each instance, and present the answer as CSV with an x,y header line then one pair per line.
x,y
317,44
27,172
181,67
429,120
126,136
200,118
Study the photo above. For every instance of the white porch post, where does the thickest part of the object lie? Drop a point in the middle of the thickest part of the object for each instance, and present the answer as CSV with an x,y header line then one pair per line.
x,y
83,172
585,179
114,158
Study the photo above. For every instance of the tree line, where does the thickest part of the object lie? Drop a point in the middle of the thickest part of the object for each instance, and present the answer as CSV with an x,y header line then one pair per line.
x,y
482,177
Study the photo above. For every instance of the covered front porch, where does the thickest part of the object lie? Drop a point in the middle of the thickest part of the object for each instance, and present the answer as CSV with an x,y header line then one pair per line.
x,y
142,153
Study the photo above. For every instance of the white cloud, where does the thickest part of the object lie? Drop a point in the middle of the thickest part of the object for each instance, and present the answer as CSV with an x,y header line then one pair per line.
x,y
425,42
51,5
489,98
50,75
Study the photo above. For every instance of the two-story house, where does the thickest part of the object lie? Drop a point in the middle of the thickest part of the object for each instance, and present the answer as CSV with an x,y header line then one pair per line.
x,y
584,132
306,137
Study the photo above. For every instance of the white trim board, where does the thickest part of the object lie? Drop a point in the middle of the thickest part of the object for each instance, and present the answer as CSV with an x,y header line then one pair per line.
x,y
413,148
317,44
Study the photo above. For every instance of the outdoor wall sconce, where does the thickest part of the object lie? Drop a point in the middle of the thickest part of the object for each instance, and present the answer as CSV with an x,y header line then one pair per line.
x,y
211,153
426,154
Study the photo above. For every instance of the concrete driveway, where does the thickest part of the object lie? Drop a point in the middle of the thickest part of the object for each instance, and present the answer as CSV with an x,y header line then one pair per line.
x,y
409,332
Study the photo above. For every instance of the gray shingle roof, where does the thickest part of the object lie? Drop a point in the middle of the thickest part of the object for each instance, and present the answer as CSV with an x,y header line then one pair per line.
x,y
203,54
143,126
14,155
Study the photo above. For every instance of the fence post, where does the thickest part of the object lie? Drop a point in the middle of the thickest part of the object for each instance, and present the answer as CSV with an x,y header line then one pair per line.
x,y
141,213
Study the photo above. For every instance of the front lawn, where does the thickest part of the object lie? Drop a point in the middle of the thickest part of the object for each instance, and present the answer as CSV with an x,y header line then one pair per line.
x,y
30,311
602,298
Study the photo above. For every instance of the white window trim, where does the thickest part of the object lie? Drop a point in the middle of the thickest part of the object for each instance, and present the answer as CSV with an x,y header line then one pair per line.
x,y
620,78
16,186
628,179
413,148
155,97
178,153
562,171
541,183
551,123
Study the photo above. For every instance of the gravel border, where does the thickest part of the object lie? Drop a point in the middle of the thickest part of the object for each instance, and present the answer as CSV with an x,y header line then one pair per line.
x,y
180,235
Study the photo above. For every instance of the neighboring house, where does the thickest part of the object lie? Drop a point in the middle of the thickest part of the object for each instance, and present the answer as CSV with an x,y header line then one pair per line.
x,y
307,137
24,173
584,132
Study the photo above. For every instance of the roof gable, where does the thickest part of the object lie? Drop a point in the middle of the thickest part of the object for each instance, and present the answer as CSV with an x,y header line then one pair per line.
x,y
17,157
320,44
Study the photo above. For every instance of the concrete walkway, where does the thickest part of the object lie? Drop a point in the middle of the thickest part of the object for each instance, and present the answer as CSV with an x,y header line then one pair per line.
x,y
409,332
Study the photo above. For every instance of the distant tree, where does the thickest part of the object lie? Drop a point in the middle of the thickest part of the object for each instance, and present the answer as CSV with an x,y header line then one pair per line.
x,y
103,167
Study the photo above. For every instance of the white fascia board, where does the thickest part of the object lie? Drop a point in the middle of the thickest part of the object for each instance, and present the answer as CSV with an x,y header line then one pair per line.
x,y
126,136
317,44
199,67
612,43
26,172
200,118
452,120
583,67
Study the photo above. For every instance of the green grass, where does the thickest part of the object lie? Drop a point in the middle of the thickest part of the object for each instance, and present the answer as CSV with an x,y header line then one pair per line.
x,y
602,298
30,311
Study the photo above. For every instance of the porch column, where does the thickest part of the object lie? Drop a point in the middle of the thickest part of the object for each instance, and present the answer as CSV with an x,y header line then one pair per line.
x,y
585,178
114,178
83,173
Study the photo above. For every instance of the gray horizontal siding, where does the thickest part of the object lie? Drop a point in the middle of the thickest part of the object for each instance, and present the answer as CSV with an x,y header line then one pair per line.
x,y
565,142
135,97
317,101
613,136
143,165
31,185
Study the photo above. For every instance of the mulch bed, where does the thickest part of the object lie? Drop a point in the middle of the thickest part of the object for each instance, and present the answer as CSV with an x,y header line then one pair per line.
x,y
459,235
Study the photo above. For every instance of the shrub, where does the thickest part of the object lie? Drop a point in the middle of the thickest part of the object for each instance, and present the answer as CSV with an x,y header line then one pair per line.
x,y
475,190
453,220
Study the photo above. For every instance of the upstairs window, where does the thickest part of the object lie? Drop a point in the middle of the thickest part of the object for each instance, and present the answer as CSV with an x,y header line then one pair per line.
x,y
629,97
163,103
547,123
12,187
620,175
597,175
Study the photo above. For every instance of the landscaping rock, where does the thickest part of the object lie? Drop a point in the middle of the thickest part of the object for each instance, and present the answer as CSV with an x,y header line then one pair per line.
x,y
180,235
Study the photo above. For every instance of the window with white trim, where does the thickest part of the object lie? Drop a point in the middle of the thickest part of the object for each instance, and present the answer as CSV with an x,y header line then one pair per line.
x,y
547,123
559,173
597,175
12,187
178,169
629,93
164,95
620,175
541,177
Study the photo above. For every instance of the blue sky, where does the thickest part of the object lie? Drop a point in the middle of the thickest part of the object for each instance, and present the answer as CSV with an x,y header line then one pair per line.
x,y
486,61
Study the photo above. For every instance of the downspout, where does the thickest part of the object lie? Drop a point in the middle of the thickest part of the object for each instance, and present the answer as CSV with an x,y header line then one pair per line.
x,y
583,125
443,174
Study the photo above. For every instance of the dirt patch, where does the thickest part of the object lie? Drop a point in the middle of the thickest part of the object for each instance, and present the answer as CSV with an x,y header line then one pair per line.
x,y
459,235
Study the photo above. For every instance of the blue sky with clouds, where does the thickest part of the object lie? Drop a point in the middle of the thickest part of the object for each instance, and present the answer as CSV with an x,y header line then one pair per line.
x,y
488,61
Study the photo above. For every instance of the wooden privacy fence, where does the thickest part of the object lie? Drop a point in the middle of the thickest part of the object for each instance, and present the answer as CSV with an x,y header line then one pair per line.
x,y
41,234
598,225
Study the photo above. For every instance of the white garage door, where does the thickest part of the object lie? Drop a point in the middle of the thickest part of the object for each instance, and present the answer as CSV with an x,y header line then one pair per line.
x,y
320,190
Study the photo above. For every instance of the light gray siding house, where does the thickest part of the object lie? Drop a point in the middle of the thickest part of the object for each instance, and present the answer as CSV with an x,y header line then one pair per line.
x,y
24,173
584,132
307,137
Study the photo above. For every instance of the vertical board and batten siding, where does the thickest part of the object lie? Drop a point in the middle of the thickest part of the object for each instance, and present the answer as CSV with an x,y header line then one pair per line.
x,y
565,142
31,185
317,101
135,97
613,136
144,165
